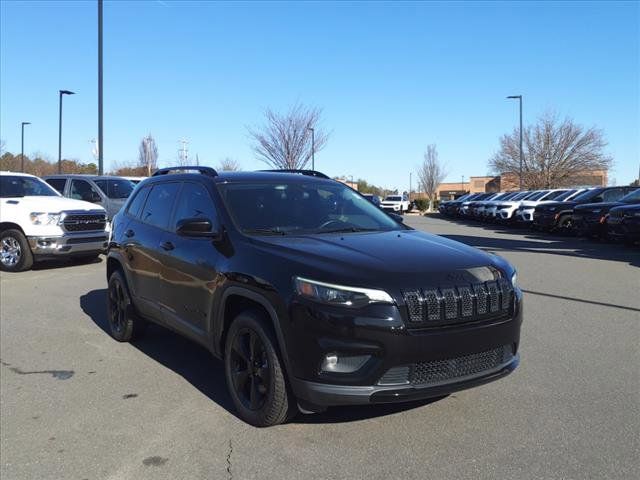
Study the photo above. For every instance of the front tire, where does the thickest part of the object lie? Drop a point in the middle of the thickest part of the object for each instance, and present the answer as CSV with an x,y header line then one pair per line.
x,y
124,326
255,377
15,253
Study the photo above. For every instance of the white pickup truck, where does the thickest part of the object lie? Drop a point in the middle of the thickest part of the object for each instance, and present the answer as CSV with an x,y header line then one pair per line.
x,y
36,222
396,204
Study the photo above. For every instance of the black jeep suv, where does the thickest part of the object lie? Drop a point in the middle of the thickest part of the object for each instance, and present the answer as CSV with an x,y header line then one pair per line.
x,y
310,294
558,216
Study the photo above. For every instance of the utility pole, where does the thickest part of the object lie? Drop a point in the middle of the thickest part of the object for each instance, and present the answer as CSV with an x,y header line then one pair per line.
x,y
184,152
100,112
22,146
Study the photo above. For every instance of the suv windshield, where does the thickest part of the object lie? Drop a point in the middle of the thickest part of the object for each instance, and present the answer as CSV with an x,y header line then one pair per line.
x,y
116,188
558,194
279,208
587,195
18,186
395,198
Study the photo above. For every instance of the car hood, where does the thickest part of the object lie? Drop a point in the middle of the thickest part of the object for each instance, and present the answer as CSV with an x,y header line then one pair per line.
x,y
398,256
51,204
606,206
563,205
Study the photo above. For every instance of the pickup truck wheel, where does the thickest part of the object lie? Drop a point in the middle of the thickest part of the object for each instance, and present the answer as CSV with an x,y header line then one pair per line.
x,y
254,374
123,324
15,253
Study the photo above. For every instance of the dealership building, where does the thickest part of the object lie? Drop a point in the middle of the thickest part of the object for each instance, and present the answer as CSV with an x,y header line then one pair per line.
x,y
506,182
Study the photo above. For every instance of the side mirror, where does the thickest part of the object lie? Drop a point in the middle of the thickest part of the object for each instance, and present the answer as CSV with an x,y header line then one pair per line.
x,y
196,227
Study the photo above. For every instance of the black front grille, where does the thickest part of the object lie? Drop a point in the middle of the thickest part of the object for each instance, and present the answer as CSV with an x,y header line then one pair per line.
x,y
442,371
84,222
462,303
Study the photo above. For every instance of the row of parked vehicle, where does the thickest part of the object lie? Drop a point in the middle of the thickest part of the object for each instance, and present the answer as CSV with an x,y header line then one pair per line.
x,y
602,212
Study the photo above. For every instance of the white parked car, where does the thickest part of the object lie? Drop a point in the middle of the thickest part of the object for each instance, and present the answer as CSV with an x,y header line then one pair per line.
x,y
37,222
504,209
524,214
396,203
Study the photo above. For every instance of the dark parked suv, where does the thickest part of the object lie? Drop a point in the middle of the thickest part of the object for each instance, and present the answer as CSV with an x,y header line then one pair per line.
x,y
558,216
310,294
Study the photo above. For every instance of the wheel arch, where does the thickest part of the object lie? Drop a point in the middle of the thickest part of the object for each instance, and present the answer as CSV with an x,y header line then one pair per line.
x,y
11,226
237,299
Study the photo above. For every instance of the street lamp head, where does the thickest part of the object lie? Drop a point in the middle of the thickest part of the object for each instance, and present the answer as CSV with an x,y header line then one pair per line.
x,y
26,123
67,92
514,96
310,128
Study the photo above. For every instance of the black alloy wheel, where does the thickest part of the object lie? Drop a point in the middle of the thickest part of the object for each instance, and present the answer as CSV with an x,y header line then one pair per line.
x,y
250,369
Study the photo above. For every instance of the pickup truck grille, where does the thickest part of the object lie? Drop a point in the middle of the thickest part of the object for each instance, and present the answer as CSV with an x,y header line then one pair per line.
x,y
458,304
84,222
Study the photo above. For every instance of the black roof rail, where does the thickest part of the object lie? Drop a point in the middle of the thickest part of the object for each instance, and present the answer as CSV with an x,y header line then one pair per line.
x,y
309,173
203,170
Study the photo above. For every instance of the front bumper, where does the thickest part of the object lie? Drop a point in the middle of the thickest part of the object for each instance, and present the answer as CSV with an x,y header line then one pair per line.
x,y
545,220
391,208
68,244
525,216
624,228
380,333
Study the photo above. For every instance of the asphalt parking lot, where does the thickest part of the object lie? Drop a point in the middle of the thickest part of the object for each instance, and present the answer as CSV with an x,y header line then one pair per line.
x,y
74,404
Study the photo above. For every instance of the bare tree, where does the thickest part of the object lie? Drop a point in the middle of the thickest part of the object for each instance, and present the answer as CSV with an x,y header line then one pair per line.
x,y
284,141
431,173
229,164
557,153
148,154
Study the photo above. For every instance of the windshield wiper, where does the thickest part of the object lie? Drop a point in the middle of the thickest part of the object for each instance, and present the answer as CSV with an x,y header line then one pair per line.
x,y
265,231
348,229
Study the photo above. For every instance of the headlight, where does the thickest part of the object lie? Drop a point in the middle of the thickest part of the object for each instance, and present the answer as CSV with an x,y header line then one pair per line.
x,y
39,218
339,294
514,279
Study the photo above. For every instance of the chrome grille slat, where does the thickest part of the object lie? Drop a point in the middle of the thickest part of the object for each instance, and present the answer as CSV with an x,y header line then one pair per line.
x,y
460,303
432,301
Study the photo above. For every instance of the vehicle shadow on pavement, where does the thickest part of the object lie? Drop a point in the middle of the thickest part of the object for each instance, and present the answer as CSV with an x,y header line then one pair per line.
x,y
197,366
63,263
186,358
535,242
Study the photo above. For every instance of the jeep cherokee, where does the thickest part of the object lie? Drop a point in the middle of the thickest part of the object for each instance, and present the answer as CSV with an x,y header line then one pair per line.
x,y
310,295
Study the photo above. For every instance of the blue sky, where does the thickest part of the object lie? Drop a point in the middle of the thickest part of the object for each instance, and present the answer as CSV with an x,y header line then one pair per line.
x,y
391,78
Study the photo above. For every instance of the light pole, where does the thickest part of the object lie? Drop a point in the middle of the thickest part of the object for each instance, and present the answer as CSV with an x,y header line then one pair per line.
x,y
313,148
519,97
61,92
22,146
462,184
100,145
410,174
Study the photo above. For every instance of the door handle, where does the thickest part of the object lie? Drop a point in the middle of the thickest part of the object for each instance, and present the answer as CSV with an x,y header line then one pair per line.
x,y
167,246
129,233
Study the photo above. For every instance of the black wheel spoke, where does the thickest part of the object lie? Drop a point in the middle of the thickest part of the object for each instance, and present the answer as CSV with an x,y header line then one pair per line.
x,y
254,395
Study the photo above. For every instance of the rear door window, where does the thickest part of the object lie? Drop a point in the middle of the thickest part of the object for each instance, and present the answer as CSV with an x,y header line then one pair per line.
x,y
57,183
137,202
159,205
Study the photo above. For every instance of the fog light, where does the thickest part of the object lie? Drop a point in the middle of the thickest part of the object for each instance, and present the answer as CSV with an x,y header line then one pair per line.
x,y
335,364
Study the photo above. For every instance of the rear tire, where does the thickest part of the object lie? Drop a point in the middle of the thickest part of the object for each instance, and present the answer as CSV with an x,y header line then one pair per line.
x,y
15,253
124,325
254,373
